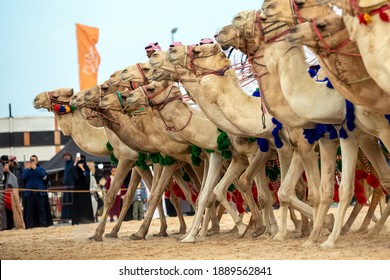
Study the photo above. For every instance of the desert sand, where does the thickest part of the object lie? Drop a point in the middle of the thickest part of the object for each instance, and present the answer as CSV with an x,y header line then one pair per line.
x,y
68,242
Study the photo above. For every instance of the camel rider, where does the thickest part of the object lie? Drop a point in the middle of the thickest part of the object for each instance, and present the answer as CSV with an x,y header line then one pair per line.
x,y
151,48
175,44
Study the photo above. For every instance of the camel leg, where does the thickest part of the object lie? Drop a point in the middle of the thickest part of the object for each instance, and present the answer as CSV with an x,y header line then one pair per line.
x,y
266,199
355,211
176,204
155,197
349,153
375,156
375,200
124,166
328,151
213,175
134,181
235,169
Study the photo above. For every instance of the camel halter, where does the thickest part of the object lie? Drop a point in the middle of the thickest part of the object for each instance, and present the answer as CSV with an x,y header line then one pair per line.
x,y
295,11
160,106
59,107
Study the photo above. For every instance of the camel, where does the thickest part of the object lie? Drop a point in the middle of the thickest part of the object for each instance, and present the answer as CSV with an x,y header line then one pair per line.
x,y
278,56
180,118
75,125
365,91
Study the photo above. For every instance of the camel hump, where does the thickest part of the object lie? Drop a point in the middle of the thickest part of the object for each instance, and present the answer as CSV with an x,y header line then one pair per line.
x,y
369,5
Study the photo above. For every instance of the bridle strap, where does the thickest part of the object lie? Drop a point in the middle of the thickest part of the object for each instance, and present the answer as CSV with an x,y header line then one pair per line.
x,y
142,74
329,48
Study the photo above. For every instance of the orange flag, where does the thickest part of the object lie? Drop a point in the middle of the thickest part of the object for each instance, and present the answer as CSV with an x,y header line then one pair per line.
x,y
89,58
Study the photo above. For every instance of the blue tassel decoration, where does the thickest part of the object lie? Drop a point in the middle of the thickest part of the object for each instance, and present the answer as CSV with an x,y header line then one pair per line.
x,y
332,132
350,115
256,93
328,83
310,135
343,134
275,133
388,118
263,144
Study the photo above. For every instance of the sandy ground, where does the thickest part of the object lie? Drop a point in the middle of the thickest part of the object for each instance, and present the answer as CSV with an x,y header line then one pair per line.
x,y
71,242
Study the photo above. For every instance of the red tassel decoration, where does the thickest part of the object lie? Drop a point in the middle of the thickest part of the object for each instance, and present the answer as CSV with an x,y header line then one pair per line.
x,y
177,190
362,19
254,192
336,197
167,194
56,107
228,196
384,16
359,193
360,174
373,181
194,197
239,201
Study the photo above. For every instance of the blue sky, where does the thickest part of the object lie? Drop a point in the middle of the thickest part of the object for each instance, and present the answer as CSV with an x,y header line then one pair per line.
x,y
38,49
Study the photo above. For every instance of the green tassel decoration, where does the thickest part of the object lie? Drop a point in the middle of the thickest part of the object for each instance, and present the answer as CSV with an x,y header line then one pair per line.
x,y
113,159
155,158
195,152
141,161
231,188
109,147
251,139
209,151
186,177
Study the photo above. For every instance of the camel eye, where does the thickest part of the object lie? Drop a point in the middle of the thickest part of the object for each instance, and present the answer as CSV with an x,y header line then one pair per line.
x,y
321,25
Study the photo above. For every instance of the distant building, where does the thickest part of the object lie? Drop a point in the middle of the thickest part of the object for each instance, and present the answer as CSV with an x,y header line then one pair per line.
x,y
25,136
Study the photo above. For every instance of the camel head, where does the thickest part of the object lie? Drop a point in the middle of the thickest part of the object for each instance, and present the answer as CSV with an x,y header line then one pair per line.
x,y
324,35
49,99
92,97
163,68
136,101
136,75
293,12
230,35
200,60
78,99
115,101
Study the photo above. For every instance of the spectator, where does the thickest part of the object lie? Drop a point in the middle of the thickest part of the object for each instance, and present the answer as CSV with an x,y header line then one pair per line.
x,y
151,48
116,207
93,187
139,201
12,201
67,197
82,206
3,213
16,169
36,204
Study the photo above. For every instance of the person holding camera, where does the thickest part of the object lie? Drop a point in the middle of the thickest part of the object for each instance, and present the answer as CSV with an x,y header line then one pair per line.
x,y
82,207
34,200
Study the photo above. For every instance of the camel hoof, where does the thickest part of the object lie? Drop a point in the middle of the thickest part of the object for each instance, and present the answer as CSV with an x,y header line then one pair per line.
x,y
112,235
97,238
328,244
161,234
308,243
373,232
135,236
241,229
259,231
279,236
188,239
214,230
329,222
233,230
